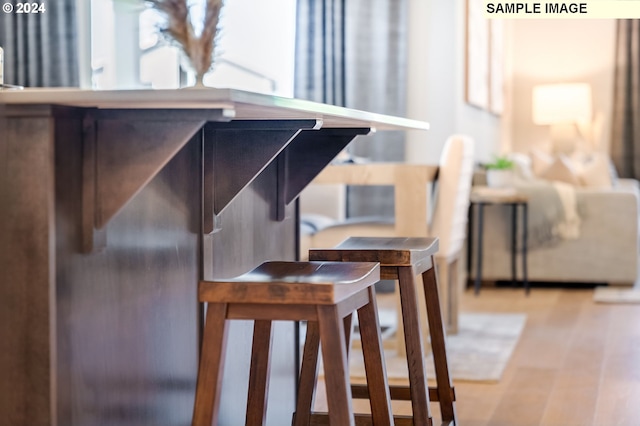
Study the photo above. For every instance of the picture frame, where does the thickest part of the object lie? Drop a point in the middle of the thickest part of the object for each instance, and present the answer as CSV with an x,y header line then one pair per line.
x,y
477,56
496,66
484,55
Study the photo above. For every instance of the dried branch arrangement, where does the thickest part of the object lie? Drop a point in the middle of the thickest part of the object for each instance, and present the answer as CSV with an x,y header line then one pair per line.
x,y
198,48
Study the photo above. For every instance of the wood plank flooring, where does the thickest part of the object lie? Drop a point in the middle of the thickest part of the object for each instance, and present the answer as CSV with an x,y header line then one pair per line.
x,y
577,363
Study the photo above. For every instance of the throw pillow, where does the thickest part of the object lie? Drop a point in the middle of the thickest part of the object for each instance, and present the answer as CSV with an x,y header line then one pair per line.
x,y
522,166
540,161
596,172
561,170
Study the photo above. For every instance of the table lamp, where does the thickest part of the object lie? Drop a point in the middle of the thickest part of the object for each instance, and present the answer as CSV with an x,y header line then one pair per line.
x,y
566,107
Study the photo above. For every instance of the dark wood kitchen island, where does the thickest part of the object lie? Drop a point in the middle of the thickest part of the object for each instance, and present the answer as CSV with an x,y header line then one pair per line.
x,y
112,205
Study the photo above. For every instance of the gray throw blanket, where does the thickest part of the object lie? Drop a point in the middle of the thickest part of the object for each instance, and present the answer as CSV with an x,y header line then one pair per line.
x,y
553,213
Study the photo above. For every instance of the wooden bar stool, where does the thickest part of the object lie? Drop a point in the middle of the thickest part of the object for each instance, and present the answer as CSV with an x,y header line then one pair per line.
x,y
323,293
402,259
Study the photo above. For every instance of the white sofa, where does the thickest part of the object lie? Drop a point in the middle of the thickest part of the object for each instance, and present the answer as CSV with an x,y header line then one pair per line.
x,y
606,250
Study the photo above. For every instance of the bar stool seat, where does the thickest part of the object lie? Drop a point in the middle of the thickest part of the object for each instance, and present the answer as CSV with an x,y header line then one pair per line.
x,y
323,293
402,259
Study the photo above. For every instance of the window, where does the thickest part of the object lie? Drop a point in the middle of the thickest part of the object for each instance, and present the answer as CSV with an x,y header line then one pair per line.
x,y
255,49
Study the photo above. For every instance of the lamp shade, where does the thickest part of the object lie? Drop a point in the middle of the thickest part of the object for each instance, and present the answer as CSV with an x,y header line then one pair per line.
x,y
562,103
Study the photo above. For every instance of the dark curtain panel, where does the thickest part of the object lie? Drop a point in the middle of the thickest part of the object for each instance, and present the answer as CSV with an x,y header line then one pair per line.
x,y
320,47
625,145
40,48
352,53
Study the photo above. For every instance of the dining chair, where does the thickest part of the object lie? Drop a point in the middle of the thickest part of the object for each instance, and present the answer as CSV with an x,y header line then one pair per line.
x,y
430,201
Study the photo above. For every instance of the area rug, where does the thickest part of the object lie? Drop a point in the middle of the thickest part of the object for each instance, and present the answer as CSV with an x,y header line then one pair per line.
x,y
616,295
479,352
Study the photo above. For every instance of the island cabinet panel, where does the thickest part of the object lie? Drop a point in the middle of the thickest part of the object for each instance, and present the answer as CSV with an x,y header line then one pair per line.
x,y
111,336
27,271
127,313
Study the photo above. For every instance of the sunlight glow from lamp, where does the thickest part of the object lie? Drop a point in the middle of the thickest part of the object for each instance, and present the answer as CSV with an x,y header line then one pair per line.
x,y
562,103
563,106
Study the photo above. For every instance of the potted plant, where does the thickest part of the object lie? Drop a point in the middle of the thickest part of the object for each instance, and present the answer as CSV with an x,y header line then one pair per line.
x,y
500,172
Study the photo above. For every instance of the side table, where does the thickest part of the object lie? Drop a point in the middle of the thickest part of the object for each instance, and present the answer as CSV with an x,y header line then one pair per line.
x,y
481,196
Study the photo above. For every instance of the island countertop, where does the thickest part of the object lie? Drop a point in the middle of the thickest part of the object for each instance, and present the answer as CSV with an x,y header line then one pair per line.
x,y
237,104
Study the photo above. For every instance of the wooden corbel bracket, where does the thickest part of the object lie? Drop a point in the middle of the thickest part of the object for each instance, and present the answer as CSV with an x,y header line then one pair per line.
x,y
235,153
306,156
123,150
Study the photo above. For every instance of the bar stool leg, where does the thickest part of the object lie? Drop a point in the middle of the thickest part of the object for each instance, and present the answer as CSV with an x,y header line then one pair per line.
x,y
308,375
337,377
259,373
211,366
438,347
413,343
374,362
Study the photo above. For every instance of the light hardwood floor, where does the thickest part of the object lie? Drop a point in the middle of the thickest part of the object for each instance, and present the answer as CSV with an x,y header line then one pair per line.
x,y
577,363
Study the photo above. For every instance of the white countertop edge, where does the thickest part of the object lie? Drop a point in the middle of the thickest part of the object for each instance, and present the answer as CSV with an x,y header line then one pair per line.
x,y
205,98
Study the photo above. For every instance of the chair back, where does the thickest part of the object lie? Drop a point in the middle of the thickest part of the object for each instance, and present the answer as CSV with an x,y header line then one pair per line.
x,y
451,207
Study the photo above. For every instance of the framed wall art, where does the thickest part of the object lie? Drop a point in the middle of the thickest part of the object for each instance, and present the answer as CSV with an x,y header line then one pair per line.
x,y
484,55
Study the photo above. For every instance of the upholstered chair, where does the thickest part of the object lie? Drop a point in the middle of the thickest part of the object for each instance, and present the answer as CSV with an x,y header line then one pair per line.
x,y
442,214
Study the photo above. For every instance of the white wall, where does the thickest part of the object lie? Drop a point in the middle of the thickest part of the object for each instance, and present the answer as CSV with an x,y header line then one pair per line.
x,y
436,83
550,51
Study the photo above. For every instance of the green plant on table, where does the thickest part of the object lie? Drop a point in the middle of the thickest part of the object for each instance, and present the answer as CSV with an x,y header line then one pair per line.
x,y
500,163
